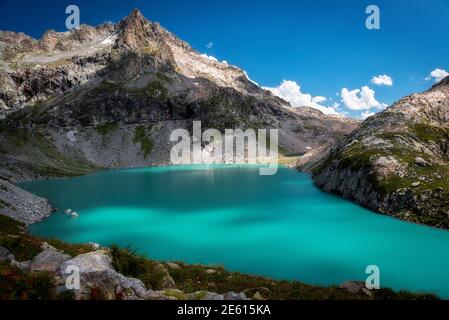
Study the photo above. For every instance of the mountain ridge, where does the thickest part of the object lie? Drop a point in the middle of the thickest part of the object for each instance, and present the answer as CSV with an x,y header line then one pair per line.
x,y
397,161
79,100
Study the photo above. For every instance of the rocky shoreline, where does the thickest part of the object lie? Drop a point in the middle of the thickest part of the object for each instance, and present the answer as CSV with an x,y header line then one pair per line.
x,y
22,205
44,268
397,162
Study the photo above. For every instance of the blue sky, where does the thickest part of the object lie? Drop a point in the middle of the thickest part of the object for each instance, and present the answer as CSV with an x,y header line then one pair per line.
x,y
322,46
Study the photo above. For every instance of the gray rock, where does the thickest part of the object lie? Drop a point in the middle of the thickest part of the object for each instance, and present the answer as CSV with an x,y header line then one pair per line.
x,y
158,295
167,281
48,260
94,245
257,296
5,255
213,296
173,265
22,205
97,273
354,287
421,162
24,265
234,296
211,271
96,261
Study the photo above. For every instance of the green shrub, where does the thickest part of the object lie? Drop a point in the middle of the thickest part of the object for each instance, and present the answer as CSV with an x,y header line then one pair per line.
x,y
104,129
146,144
10,226
128,263
16,285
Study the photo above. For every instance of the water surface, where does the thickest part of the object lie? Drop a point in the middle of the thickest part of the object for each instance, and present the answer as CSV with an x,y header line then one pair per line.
x,y
279,226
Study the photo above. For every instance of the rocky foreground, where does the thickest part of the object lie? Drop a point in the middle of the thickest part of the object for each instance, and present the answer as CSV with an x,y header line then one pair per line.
x,y
33,268
397,162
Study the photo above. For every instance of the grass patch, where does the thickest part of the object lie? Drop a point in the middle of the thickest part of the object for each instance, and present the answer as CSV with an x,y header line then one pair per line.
x,y
163,77
23,248
128,263
10,226
68,248
17,285
426,132
141,137
104,129
193,278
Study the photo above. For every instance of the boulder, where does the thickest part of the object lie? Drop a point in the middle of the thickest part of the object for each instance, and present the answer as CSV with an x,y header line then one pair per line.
x,y
257,296
158,295
98,279
5,255
355,287
167,281
421,162
48,260
212,296
96,261
234,296
24,265
173,265
386,166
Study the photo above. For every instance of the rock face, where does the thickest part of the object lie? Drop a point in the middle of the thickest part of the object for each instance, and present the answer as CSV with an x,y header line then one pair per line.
x,y
5,255
97,276
109,96
397,162
48,260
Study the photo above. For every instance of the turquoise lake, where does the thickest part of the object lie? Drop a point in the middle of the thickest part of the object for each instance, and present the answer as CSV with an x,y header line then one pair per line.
x,y
279,226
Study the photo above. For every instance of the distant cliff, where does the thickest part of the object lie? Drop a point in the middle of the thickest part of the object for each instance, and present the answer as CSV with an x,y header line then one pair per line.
x,y
397,162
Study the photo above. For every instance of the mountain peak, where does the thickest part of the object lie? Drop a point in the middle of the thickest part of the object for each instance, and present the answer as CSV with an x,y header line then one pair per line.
x,y
135,31
136,18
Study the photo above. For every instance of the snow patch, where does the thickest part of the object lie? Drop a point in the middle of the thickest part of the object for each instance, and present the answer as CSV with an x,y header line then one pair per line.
x,y
109,40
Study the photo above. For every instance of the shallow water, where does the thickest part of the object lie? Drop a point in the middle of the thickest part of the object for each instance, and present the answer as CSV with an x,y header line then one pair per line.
x,y
279,226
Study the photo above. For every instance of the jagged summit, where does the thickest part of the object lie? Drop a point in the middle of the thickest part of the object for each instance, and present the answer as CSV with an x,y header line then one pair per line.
x,y
135,31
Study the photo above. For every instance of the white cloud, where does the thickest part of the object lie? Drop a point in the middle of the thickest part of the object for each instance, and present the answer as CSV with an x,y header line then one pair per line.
x,y
360,99
209,57
438,75
382,80
291,92
209,45
366,114
319,99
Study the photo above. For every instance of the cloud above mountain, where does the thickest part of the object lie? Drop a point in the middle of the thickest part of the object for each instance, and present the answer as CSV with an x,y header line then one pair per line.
x,y
438,75
360,99
382,80
291,91
366,114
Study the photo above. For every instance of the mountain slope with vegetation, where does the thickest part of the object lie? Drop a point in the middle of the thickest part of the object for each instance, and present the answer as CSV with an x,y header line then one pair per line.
x,y
109,97
397,162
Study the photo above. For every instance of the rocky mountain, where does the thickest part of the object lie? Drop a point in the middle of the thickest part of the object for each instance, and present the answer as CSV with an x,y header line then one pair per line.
x,y
397,162
109,96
